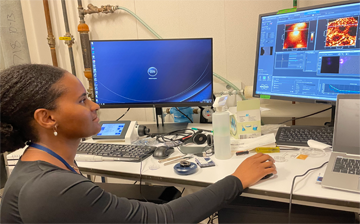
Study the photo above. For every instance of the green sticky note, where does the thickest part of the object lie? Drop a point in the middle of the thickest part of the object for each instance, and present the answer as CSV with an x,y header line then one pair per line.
x,y
286,10
264,96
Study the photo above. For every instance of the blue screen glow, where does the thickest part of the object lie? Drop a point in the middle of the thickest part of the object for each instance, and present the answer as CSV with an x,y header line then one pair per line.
x,y
111,129
148,72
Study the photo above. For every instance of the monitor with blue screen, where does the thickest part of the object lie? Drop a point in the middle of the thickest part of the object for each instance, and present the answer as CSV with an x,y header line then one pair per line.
x,y
311,55
152,73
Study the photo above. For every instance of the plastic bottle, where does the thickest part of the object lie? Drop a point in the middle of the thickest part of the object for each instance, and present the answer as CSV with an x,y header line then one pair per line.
x,y
221,129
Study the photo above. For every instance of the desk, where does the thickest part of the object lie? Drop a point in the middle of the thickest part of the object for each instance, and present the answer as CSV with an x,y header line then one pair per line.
x,y
306,191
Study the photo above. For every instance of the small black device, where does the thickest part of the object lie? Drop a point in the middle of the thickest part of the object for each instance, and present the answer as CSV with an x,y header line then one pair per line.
x,y
197,138
162,152
267,176
126,153
299,135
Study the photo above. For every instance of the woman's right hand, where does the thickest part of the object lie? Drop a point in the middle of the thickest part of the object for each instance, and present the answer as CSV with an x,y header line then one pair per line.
x,y
253,168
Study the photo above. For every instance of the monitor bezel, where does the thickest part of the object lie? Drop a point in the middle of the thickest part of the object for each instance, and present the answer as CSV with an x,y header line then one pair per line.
x,y
168,104
288,98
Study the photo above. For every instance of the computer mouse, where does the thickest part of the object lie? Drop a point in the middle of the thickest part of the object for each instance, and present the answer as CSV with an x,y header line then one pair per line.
x,y
162,152
267,176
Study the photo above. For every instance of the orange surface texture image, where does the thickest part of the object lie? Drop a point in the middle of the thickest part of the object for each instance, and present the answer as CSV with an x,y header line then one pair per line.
x,y
296,35
341,32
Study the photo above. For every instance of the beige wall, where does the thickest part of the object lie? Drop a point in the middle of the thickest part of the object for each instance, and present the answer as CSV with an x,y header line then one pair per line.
x,y
231,23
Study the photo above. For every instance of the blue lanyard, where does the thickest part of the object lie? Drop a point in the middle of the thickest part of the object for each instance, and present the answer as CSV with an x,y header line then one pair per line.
x,y
43,148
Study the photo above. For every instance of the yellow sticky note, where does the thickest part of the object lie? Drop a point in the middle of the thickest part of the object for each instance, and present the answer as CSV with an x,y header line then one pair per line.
x,y
301,156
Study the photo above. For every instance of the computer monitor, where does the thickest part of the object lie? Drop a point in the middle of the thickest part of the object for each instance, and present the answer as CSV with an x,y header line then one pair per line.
x,y
310,55
152,73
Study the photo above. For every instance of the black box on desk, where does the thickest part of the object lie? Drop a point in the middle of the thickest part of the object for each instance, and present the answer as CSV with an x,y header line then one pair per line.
x,y
251,210
155,194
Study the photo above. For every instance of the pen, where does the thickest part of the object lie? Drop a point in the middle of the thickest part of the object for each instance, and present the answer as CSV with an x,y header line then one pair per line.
x,y
171,158
242,153
177,160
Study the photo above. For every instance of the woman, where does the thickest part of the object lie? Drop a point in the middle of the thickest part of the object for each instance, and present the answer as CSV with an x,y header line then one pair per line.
x,y
47,108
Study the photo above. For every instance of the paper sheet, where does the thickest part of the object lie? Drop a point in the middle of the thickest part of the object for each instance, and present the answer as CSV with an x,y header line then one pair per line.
x,y
249,144
318,145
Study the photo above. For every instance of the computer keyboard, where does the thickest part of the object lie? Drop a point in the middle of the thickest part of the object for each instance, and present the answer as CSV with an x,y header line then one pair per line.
x,y
299,135
126,153
347,165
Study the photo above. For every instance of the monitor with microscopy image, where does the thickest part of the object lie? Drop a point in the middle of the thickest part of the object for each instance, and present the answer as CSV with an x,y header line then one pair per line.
x,y
310,55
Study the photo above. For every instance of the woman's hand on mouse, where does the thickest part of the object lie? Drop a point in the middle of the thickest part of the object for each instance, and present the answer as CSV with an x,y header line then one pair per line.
x,y
253,168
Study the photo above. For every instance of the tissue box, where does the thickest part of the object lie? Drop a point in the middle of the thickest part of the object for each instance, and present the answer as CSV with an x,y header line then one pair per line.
x,y
246,122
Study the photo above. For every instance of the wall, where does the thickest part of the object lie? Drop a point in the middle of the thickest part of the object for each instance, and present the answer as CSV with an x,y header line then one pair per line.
x,y
231,23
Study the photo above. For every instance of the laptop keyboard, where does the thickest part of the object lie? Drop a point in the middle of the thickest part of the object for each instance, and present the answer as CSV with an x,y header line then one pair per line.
x,y
347,165
299,135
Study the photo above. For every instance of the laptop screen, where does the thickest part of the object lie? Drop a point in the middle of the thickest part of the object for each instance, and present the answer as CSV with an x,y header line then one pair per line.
x,y
347,125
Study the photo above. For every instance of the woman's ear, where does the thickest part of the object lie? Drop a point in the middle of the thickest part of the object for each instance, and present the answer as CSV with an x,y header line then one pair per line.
x,y
44,118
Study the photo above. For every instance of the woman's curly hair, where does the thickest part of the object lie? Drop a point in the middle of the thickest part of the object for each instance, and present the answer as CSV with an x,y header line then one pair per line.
x,y
24,89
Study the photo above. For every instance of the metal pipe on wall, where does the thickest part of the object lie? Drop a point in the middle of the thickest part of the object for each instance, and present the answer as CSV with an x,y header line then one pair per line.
x,y
51,38
83,29
68,34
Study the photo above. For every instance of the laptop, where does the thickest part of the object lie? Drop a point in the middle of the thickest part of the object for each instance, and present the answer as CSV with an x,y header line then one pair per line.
x,y
343,169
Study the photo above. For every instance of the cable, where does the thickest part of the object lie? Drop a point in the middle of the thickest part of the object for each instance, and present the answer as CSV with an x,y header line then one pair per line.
x,y
159,37
140,182
297,118
174,139
184,114
292,186
230,84
182,192
123,114
141,21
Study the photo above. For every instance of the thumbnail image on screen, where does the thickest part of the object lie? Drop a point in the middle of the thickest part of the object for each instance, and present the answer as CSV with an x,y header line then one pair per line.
x,y
341,32
296,35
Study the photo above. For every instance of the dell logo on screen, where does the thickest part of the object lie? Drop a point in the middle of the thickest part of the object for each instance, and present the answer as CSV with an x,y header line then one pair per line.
x,y
152,71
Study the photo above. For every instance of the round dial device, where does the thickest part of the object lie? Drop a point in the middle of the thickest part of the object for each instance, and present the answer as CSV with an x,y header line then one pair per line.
x,y
207,113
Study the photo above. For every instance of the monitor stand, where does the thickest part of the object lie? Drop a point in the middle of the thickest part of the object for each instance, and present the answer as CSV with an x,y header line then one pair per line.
x,y
332,121
164,128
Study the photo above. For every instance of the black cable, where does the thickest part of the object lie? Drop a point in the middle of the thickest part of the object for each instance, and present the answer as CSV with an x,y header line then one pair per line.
x,y
123,114
140,182
135,182
175,136
184,114
292,186
297,118
182,192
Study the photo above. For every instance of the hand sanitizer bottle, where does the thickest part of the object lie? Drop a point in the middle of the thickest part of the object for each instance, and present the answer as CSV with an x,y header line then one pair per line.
x,y
221,129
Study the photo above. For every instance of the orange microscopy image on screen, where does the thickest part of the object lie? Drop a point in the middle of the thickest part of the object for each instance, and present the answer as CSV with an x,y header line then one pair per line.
x,y
341,32
296,35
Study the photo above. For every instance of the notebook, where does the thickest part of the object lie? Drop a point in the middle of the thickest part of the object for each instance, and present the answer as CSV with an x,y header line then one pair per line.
x,y
343,169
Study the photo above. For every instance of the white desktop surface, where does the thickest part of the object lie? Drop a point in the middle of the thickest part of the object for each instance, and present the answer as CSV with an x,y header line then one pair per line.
x,y
306,190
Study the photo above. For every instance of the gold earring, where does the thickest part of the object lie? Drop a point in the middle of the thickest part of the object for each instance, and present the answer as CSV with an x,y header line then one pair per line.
x,y
55,130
